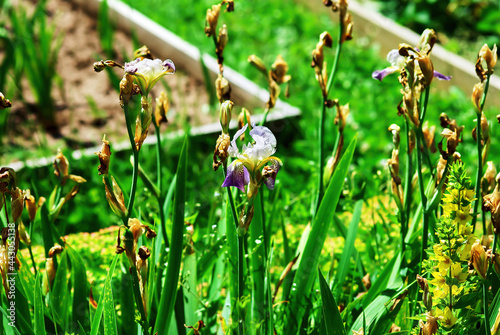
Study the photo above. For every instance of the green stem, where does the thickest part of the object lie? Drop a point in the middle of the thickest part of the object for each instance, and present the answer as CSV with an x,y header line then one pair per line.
x,y
158,157
479,173
264,119
135,170
241,259
138,299
487,330
407,188
321,133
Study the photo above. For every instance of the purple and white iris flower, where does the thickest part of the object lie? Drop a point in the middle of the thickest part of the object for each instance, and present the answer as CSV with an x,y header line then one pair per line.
x,y
148,72
254,164
397,63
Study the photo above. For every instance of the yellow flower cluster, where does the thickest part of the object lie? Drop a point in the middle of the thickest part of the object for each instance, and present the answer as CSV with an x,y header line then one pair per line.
x,y
449,258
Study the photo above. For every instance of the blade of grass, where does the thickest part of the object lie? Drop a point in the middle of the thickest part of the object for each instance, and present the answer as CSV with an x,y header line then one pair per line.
x,y
100,306
39,319
349,248
331,315
79,281
258,261
309,259
169,290
60,297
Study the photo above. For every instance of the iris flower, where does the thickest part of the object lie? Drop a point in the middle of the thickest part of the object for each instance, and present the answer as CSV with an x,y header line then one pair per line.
x,y
254,164
397,63
148,72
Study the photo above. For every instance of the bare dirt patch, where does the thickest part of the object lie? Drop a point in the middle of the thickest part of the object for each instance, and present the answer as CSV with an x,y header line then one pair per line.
x,y
86,104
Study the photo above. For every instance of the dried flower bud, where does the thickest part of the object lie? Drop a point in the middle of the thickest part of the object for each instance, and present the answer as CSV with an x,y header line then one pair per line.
x,y
429,137
225,115
17,204
241,119
347,27
136,227
223,89
342,114
479,259
430,327
144,253
491,203
451,140
221,40
426,297
143,52
211,20
126,86
30,204
104,157
61,166
55,250
274,92
102,64
161,109
258,64
477,94
489,56
429,38
23,234
425,64
221,151
4,103
279,70
229,5
143,121
395,130
488,181
114,195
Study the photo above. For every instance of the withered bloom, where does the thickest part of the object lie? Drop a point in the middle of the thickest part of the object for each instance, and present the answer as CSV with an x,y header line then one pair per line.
x,y
429,136
489,57
30,204
161,109
491,203
143,52
477,94
61,167
318,63
488,181
279,70
104,157
211,20
222,88
479,259
4,103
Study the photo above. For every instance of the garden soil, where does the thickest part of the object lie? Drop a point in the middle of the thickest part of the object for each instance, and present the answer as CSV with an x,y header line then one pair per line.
x,y
86,103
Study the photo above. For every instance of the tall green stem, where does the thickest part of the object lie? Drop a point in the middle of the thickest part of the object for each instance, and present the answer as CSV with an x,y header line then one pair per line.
x,y
407,188
487,330
135,154
321,133
479,173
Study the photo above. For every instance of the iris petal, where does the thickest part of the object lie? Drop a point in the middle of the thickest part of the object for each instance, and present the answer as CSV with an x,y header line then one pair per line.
x,y
381,74
237,176
441,76
270,180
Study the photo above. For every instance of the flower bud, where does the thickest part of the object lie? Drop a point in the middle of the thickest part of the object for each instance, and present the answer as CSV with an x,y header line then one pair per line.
x,y
491,203
489,56
258,64
17,204
425,64
429,38
221,40
161,109
4,103
223,89
279,70
225,115
143,121
114,195
211,20
126,86
104,157
477,94
395,129
221,151
143,52
326,39
241,118
23,234
61,166
30,204
55,250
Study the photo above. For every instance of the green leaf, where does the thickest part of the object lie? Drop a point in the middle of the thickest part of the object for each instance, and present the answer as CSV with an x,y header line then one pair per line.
x,y
39,307
349,248
309,259
169,290
100,306
331,316
80,284
60,296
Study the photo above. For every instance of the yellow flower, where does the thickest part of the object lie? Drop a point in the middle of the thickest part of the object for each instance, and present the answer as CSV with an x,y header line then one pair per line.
x,y
447,318
456,272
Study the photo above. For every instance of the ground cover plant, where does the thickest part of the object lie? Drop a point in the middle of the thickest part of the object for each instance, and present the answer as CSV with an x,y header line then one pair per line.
x,y
244,249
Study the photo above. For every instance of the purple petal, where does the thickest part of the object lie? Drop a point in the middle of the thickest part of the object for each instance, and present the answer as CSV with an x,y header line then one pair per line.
x,y
169,65
131,66
441,76
237,176
271,179
381,74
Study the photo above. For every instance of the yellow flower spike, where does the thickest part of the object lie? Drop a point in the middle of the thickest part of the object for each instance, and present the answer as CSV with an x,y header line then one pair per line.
x,y
457,273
